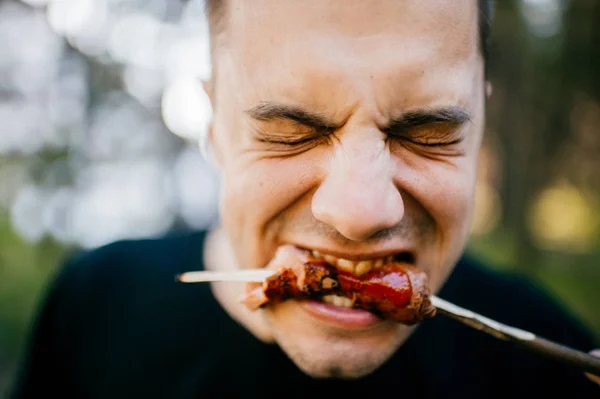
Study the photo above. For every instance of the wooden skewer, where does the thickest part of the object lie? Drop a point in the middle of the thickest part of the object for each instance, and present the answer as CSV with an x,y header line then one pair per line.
x,y
204,276
528,340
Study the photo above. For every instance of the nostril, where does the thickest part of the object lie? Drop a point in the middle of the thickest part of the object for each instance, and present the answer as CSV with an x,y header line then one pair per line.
x,y
357,205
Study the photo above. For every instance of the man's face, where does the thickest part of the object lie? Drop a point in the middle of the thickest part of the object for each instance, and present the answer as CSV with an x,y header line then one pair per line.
x,y
351,128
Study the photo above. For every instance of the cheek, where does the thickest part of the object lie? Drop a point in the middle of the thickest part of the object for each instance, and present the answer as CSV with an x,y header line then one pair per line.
x,y
256,193
452,200
267,186
443,190
245,194
450,203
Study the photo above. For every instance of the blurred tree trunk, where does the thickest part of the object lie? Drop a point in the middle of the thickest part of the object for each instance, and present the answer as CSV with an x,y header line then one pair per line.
x,y
531,96
582,61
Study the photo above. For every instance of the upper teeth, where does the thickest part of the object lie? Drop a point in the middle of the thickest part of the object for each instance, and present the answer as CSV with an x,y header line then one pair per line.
x,y
356,267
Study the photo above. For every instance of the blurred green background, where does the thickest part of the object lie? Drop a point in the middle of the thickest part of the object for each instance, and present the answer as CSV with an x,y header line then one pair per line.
x,y
99,121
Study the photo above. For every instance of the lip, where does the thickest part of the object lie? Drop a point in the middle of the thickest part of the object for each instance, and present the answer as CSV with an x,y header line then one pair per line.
x,y
345,318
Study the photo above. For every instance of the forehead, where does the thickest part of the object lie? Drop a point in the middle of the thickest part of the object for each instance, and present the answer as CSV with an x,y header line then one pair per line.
x,y
323,49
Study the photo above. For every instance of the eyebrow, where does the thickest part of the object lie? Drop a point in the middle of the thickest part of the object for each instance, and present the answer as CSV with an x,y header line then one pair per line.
x,y
270,111
453,115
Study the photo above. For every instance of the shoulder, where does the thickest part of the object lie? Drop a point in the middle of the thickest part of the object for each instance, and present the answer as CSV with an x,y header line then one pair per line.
x,y
133,262
176,249
515,299
126,294
119,305
129,283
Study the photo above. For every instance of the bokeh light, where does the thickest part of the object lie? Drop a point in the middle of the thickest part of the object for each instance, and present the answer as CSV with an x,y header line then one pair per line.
x,y
119,78
564,218
543,17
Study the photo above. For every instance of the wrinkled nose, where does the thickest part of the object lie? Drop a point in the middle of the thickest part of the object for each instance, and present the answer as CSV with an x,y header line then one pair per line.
x,y
358,197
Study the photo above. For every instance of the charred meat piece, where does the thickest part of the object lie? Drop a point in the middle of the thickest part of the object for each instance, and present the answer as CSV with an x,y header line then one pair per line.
x,y
395,291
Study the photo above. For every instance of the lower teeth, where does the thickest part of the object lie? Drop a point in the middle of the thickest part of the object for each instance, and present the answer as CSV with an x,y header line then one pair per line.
x,y
338,300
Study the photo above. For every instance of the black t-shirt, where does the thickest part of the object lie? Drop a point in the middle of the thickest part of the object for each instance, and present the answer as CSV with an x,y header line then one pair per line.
x,y
115,324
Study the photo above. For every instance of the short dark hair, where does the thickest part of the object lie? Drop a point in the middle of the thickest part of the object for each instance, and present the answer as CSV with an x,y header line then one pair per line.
x,y
486,13
216,11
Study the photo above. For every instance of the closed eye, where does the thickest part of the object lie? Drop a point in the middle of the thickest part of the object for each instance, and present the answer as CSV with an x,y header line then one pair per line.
x,y
437,143
289,133
289,125
430,128
288,141
435,135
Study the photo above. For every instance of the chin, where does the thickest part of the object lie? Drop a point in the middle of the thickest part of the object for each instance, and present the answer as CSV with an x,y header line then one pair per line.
x,y
324,351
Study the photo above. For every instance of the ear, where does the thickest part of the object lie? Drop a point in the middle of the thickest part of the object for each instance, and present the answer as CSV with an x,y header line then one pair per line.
x,y
207,86
489,88
210,151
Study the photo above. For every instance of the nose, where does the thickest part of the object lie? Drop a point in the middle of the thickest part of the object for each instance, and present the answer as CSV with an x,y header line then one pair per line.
x,y
358,196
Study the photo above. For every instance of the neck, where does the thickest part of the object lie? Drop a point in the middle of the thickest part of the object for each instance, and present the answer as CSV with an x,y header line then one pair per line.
x,y
219,255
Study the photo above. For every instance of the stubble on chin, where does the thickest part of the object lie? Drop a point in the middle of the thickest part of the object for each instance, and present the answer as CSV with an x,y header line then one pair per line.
x,y
328,352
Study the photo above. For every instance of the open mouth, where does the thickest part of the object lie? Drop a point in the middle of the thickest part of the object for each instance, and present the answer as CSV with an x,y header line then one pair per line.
x,y
348,293
361,267
357,268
